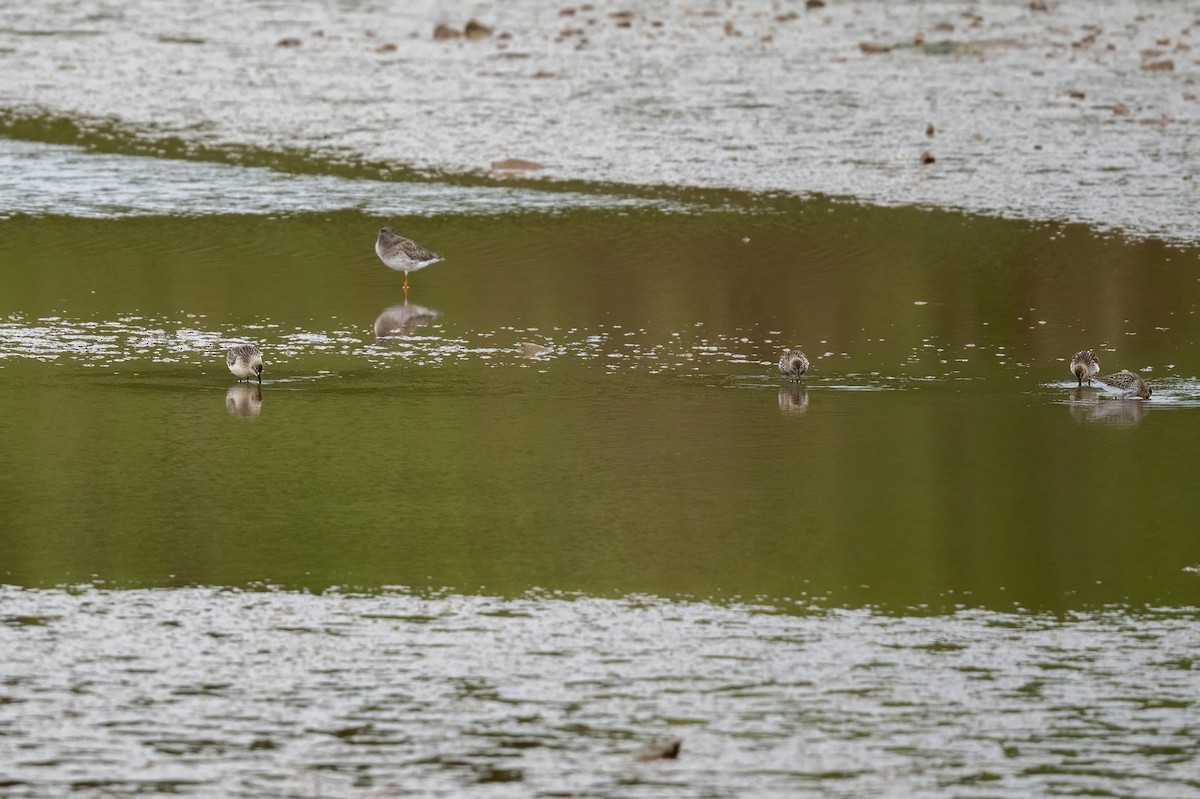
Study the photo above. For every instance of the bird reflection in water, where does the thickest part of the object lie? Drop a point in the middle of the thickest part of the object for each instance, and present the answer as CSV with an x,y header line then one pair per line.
x,y
400,321
793,399
244,400
1088,407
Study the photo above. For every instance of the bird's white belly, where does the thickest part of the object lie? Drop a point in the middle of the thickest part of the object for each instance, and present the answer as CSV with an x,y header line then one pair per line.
x,y
242,370
401,262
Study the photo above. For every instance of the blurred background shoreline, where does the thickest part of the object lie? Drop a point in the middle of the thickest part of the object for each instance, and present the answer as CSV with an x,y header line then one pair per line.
x,y
1083,113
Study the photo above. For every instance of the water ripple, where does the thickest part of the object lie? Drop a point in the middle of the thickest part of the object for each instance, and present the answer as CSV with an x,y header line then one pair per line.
x,y
285,694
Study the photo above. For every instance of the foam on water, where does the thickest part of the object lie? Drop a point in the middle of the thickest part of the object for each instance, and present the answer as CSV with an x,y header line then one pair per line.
x,y
740,358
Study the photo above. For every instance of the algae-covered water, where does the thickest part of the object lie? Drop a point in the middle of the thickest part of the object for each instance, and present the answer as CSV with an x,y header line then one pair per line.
x,y
556,505
934,567
938,445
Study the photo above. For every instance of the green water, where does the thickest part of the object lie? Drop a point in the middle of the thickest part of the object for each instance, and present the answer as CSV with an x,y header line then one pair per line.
x,y
935,458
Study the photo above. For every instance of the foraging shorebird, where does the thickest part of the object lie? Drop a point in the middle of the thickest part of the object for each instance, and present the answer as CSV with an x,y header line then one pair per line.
x,y
245,361
403,255
793,364
1128,382
1085,365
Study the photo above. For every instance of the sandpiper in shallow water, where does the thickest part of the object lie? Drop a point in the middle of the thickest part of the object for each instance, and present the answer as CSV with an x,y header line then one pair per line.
x,y
1128,382
1085,365
245,361
793,364
403,255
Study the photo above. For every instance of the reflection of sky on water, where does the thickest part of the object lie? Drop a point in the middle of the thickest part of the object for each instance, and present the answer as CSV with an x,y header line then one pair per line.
x,y
1054,116
72,181
416,334
845,702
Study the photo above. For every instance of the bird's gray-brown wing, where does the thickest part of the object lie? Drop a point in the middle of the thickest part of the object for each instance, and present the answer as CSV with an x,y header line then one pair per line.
x,y
415,251
1123,380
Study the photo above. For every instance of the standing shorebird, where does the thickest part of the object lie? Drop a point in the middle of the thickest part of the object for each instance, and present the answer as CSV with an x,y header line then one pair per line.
x,y
793,364
1128,382
245,361
403,255
1085,365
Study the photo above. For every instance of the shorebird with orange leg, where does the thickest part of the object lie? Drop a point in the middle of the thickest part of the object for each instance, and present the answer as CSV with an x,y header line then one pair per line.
x,y
403,255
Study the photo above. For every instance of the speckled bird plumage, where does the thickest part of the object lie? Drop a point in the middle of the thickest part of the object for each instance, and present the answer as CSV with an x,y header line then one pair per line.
x,y
1085,366
1128,382
793,364
403,255
245,361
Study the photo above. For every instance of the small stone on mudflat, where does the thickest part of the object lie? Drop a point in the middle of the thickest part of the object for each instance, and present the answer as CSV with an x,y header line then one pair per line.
x,y
477,30
668,750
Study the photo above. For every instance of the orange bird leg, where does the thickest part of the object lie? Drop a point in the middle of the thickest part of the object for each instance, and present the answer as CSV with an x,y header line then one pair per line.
x,y
406,281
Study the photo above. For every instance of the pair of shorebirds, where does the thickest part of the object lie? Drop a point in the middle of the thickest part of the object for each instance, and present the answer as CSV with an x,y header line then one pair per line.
x,y
1086,368
1084,365
396,252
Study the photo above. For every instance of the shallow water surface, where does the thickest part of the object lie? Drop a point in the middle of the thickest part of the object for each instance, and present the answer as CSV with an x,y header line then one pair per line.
x,y
199,692
935,454
568,507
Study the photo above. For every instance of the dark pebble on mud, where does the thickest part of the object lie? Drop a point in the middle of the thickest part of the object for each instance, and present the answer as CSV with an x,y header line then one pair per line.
x,y
668,750
476,30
